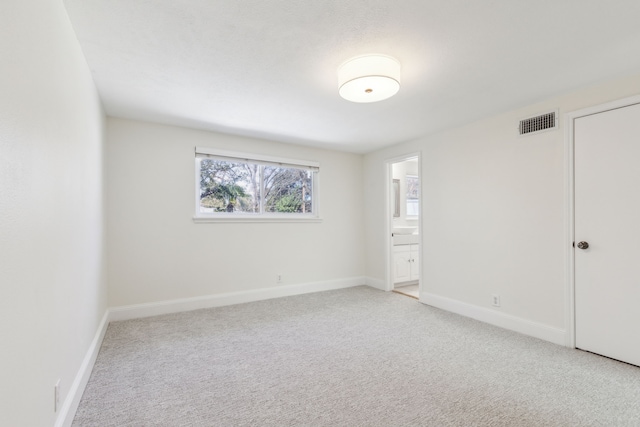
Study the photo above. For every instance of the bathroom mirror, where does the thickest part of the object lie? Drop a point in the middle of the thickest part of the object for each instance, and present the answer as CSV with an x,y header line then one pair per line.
x,y
396,198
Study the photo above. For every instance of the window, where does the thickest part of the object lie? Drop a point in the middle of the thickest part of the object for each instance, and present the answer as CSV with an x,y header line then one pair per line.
x,y
237,186
413,195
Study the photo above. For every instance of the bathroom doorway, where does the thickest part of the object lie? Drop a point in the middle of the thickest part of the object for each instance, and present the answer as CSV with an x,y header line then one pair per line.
x,y
404,258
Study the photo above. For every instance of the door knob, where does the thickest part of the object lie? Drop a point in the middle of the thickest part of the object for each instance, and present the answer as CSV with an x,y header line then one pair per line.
x,y
583,245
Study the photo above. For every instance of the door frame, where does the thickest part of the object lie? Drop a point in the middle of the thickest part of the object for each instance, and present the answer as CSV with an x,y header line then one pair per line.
x,y
570,287
388,219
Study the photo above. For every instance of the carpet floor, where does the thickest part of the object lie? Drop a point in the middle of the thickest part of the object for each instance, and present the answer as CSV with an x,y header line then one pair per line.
x,y
351,357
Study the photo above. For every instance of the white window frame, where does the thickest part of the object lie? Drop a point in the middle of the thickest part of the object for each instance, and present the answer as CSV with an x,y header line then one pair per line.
x,y
199,217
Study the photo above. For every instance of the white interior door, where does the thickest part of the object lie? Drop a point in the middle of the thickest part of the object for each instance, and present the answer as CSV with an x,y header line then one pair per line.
x,y
607,217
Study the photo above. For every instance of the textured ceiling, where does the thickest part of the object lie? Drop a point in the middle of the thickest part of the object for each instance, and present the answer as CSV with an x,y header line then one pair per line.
x,y
267,68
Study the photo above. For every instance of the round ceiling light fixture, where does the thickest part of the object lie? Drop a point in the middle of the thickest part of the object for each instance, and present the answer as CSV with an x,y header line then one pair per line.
x,y
369,78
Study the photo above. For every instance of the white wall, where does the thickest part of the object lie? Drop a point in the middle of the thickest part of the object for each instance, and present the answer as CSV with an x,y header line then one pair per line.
x,y
494,210
53,295
156,252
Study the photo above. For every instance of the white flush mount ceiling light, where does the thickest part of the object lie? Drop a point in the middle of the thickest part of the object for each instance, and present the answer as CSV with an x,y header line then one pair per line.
x,y
369,78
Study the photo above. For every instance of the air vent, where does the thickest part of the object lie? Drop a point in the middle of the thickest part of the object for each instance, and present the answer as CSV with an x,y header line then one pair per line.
x,y
539,123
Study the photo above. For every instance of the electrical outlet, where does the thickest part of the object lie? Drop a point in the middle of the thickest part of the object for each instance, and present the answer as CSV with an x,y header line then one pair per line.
x,y
56,396
495,300
279,278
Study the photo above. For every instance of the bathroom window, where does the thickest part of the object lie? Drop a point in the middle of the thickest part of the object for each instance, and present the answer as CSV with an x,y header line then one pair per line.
x,y
238,186
413,195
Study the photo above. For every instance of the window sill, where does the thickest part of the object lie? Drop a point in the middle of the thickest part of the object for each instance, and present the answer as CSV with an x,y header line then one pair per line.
x,y
246,219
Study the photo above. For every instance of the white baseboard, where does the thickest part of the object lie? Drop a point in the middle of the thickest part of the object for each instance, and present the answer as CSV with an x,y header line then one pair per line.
x,y
375,283
187,304
71,402
70,405
506,321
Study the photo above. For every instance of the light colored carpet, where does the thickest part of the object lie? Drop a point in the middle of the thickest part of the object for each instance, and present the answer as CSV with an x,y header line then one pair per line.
x,y
353,357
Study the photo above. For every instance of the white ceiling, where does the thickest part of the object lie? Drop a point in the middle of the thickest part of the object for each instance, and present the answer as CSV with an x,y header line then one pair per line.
x,y
267,68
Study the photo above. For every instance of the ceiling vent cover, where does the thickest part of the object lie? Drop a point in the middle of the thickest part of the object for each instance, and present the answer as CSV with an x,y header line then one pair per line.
x,y
546,121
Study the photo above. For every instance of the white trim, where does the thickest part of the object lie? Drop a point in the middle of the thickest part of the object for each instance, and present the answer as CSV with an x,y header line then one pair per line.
x,y
375,283
505,321
218,300
569,254
595,109
389,210
569,178
421,284
70,405
255,218
257,157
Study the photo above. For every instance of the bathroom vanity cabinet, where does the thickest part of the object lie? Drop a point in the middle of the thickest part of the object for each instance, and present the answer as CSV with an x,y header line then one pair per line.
x,y
406,265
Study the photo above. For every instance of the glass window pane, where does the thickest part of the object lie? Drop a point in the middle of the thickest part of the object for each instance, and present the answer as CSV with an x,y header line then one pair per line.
x,y
229,187
287,190
413,194
413,187
413,207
